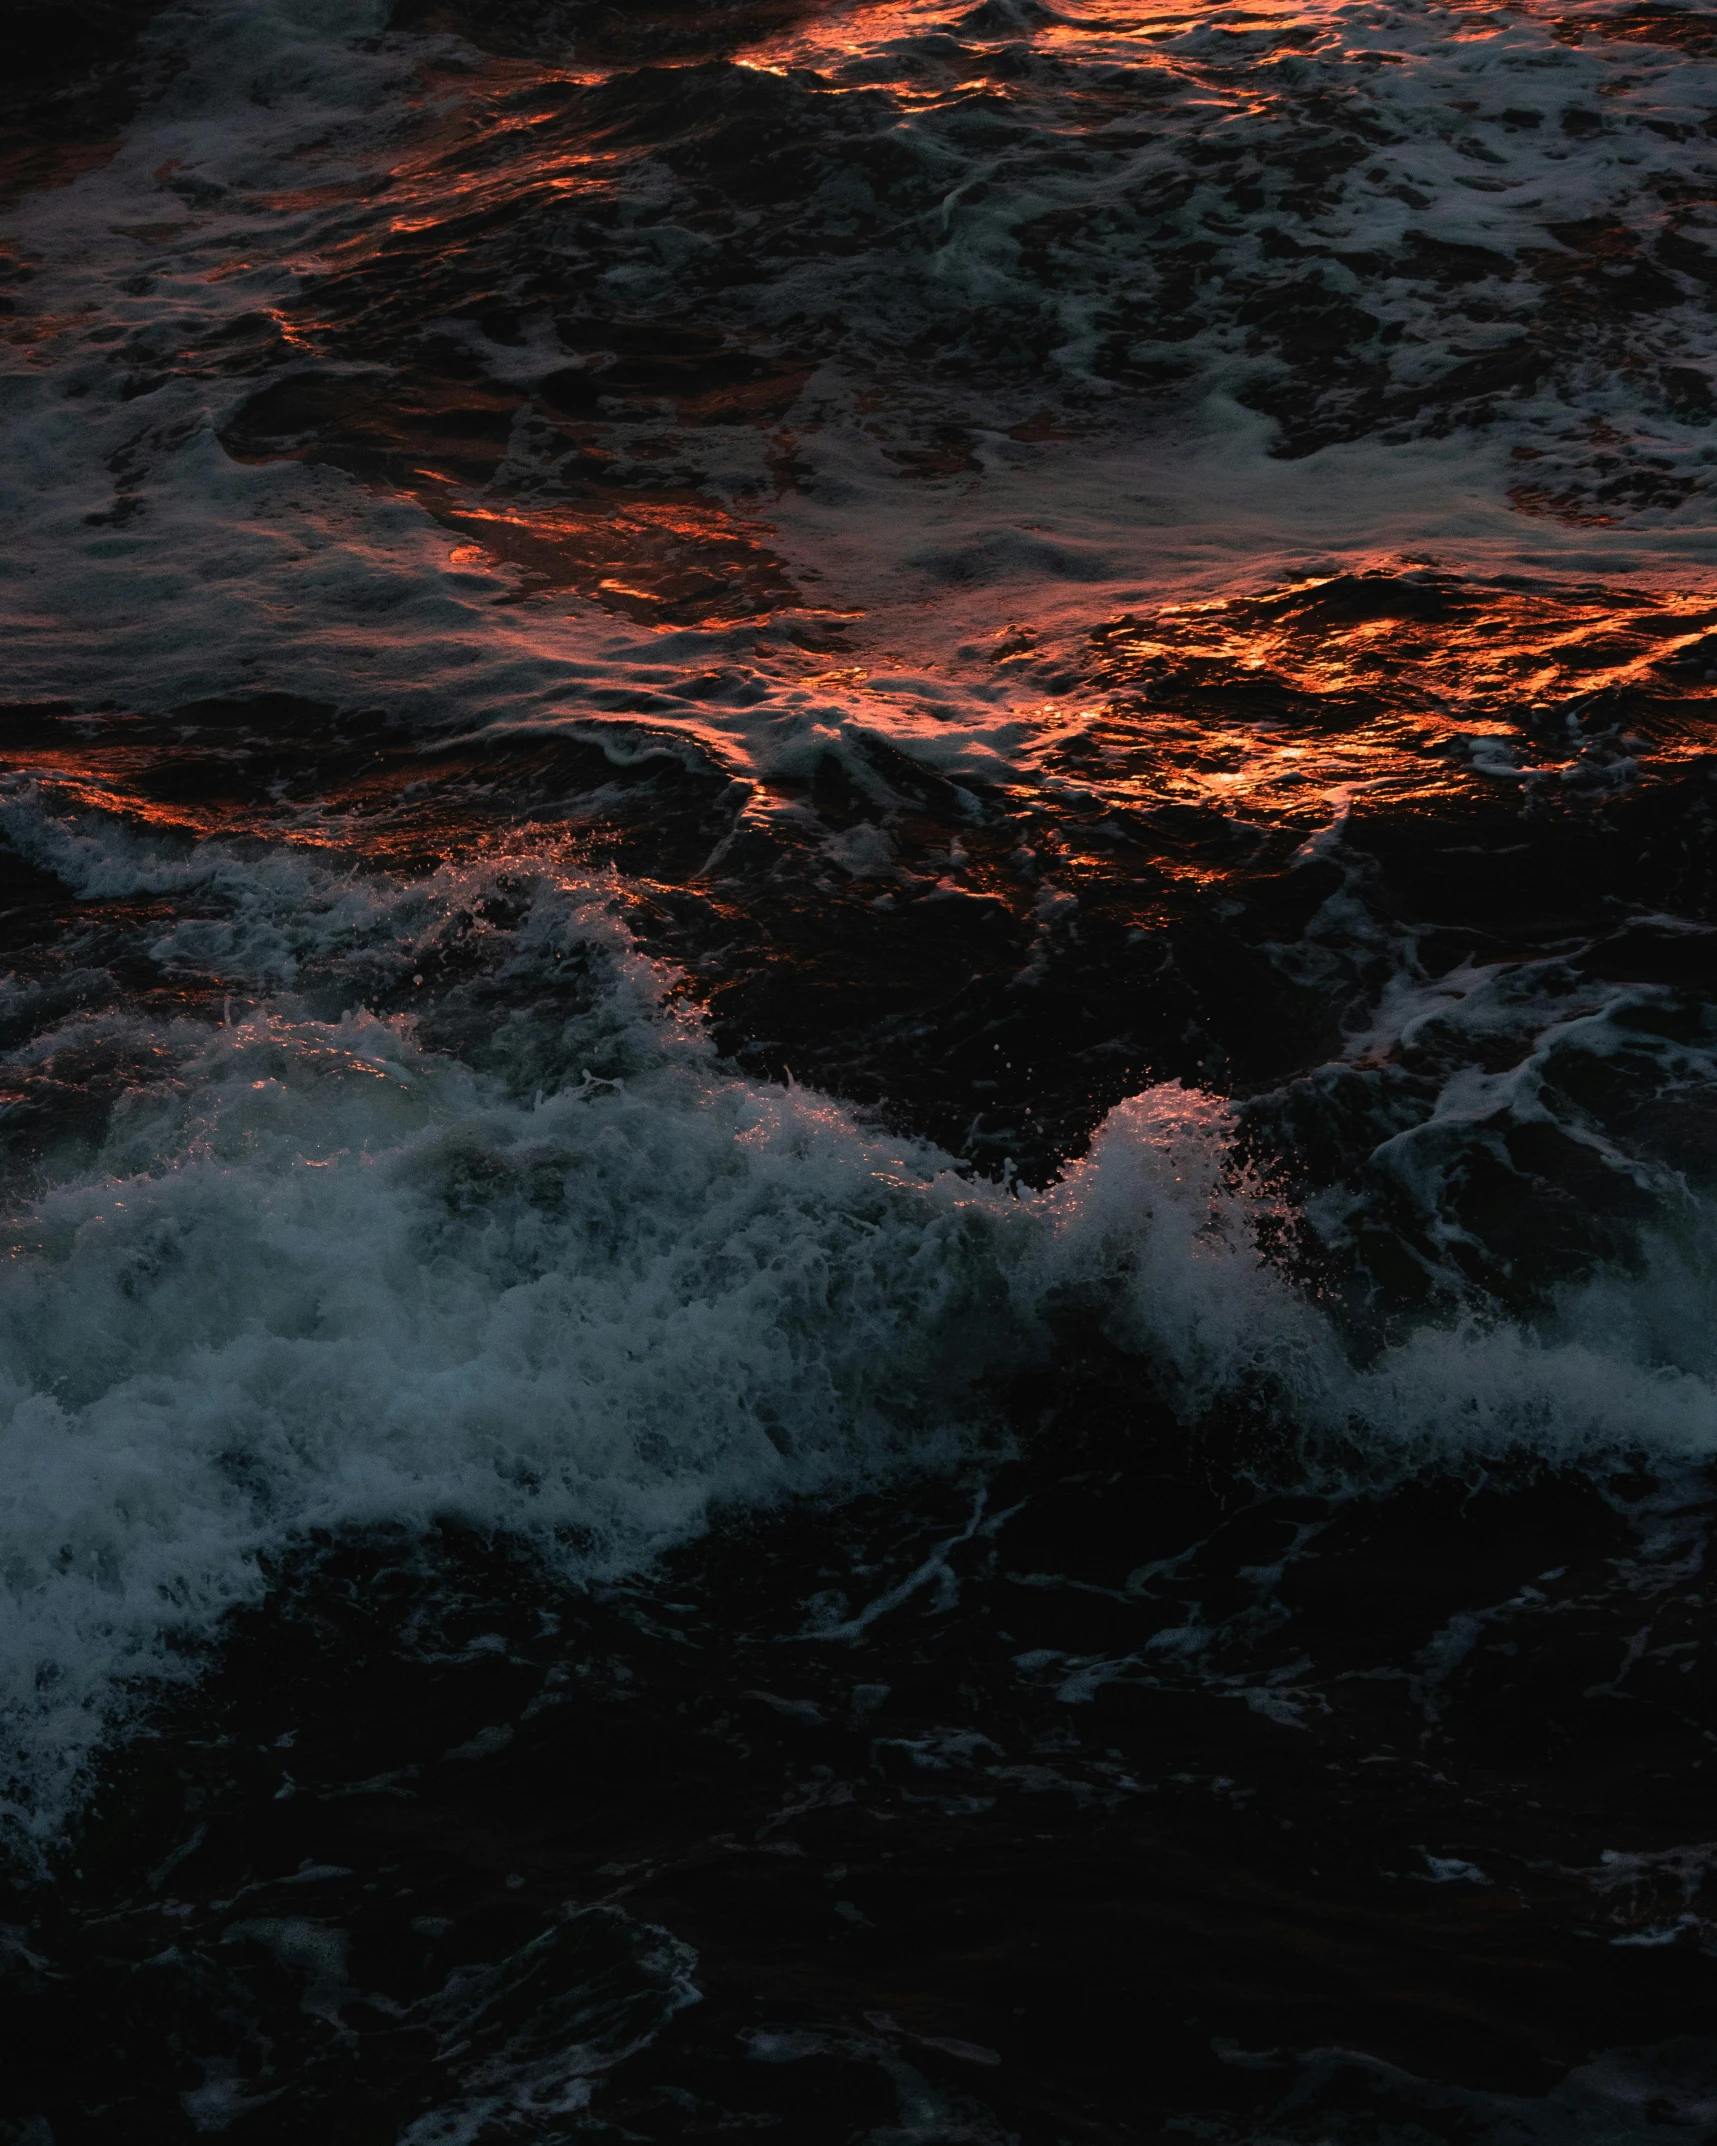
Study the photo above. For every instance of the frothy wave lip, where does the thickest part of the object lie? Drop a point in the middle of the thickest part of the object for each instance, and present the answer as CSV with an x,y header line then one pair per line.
x,y
319,1277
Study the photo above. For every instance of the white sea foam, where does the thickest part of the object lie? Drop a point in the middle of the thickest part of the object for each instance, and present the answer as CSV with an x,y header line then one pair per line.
x,y
1155,1227
322,1277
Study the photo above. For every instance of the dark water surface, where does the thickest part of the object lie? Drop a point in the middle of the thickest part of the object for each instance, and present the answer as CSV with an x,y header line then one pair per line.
x,y
859,1136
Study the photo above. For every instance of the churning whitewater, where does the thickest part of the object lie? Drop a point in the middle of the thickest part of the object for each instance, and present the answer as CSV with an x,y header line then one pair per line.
x,y
318,1276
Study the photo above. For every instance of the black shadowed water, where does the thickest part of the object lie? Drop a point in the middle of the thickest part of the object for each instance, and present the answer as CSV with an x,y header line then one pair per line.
x,y
860,1087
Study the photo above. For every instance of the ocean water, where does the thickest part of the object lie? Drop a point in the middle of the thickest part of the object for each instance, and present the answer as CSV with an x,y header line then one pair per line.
x,y
859,1123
